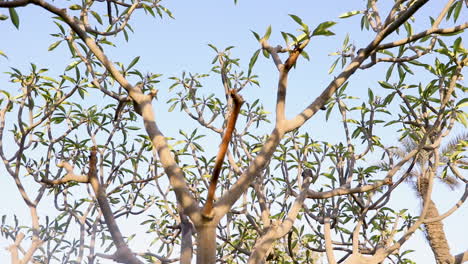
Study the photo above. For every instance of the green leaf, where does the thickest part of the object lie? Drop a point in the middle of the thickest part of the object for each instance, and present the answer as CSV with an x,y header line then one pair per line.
x,y
346,41
409,29
14,17
68,78
371,95
267,33
332,68
285,37
167,11
252,61
171,108
125,35
329,110
456,14
461,117
297,19
389,72
462,103
72,65
3,54
213,47
60,27
54,45
97,17
457,47
350,14
257,149
322,29
134,61
389,98
149,10
365,23
385,85
255,35
49,79
3,17
82,93
75,7
301,38
305,27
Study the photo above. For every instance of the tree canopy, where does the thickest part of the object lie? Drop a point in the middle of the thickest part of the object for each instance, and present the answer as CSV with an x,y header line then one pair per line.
x,y
118,162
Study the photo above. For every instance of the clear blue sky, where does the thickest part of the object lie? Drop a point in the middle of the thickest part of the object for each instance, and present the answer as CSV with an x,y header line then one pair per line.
x,y
171,46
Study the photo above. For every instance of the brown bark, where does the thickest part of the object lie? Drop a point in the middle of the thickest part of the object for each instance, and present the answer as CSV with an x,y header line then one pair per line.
x,y
436,236
237,103
435,230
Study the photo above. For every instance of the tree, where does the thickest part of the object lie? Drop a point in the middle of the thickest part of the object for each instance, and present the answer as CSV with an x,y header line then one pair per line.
x,y
434,229
281,197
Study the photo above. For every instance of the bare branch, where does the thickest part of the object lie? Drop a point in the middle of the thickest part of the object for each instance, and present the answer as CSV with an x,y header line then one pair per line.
x,y
238,101
422,35
70,176
346,190
14,3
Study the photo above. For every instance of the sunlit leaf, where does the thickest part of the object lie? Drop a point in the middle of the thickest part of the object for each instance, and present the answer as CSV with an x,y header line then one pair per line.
x,y
267,33
350,14
322,29
54,45
3,54
75,7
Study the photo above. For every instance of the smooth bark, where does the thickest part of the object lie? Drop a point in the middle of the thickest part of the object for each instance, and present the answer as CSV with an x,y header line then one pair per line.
x,y
186,245
206,243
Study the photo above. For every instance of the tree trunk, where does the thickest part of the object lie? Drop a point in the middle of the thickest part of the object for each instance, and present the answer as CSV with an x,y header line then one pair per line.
x,y
435,230
436,236
206,244
186,245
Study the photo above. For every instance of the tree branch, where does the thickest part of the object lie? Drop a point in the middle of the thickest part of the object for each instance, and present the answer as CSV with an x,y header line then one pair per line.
x,y
422,35
173,171
328,241
310,110
345,190
123,253
451,210
14,3
237,103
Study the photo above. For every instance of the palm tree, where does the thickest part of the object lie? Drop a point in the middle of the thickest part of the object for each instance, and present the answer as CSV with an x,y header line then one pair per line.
x,y
419,178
